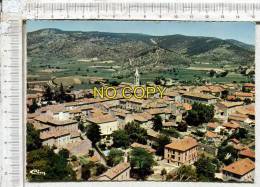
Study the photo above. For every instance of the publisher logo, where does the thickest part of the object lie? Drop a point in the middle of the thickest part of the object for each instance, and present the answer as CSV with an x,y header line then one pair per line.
x,y
37,172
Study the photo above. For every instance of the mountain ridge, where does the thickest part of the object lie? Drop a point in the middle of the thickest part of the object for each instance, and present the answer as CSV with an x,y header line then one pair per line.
x,y
60,31
141,49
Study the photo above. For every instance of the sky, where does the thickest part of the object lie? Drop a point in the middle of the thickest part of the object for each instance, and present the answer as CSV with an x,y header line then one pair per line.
x,y
241,31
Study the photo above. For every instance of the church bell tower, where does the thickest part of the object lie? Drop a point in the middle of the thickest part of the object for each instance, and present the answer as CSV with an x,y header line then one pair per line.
x,y
137,78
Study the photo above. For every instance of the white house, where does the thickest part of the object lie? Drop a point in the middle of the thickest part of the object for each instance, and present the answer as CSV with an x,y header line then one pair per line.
x,y
107,123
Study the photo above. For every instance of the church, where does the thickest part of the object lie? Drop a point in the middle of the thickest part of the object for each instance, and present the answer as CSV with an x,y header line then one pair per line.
x,y
137,78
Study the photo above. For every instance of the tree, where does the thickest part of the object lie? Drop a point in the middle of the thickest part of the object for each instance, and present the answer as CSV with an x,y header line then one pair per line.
x,y
163,172
217,163
199,133
120,138
64,153
100,168
199,114
48,94
93,133
157,81
223,74
141,162
114,83
62,92
115,156
162,141
242,133
157,123
227,154
183,173
91,153
244,89
205,169
212,73
160,80
171,132
193,118
224,94
81,126
85,172
80,123
182,127
239,134
32,138
136,133
247,101
74,158
33,107
55,166
132,127
61,96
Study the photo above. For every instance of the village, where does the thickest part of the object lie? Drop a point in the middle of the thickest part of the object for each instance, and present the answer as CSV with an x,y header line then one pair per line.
x,y
190,133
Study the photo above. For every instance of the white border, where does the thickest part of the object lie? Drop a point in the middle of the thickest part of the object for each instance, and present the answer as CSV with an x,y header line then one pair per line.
x,y
194,10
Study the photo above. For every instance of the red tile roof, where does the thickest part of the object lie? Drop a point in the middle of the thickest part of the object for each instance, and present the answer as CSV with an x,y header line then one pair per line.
x,y
198,95
155,111
146,147
240,167
50,120
102,119
243,94
247,153
230,125
142,117
234,140
54,134
182,144
212,125
115,171
210,134
237,117
249,85
79,148
228,104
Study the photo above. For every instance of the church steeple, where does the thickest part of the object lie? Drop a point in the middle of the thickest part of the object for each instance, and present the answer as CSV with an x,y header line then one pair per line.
x,y
137,78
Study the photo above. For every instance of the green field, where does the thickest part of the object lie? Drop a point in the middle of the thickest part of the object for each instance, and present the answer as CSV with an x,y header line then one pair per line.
x,y
75,72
